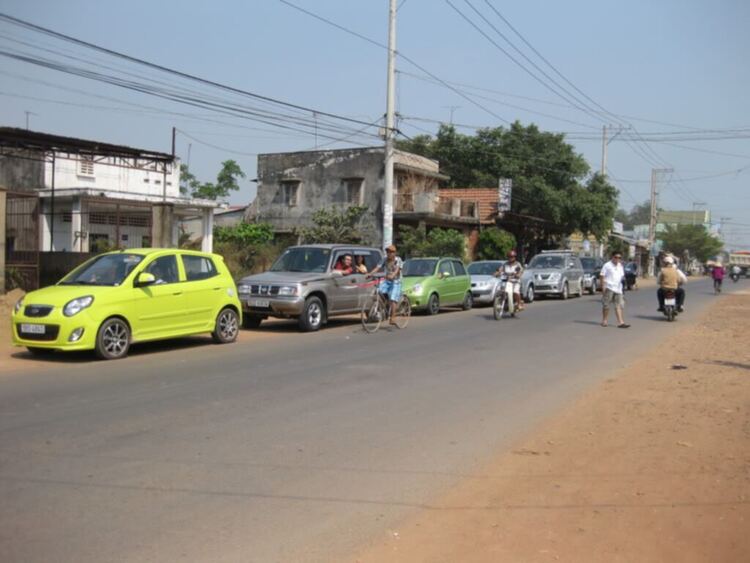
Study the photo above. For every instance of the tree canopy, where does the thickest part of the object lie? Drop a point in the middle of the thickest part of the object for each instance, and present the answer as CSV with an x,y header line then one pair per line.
x,y
553,193
416,242
226,182
692,238
334,226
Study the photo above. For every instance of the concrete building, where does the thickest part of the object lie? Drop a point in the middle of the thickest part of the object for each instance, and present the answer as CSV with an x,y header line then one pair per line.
x,y
80,196
292,186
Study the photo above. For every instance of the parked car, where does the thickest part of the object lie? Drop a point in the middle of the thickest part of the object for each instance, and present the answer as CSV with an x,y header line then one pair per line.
x,y
630,280
592,268
554,272
484,283
304,284
432,283
136,295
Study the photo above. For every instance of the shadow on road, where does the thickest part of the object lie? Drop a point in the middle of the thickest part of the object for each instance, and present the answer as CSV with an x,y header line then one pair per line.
x,y
728,364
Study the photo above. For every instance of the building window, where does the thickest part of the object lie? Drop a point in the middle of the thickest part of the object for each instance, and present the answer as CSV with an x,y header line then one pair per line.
x,y
86,165
290,192
146,180
353,190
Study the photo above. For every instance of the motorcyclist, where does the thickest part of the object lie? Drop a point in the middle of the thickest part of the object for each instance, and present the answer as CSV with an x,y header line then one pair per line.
x,y
671,278
512,271
736,271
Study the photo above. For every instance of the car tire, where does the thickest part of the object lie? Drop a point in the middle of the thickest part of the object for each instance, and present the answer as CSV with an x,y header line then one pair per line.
x,y
565,292
312,315
113,339
592,289
530,295
40,352
468,301
251,321
227,326
433,304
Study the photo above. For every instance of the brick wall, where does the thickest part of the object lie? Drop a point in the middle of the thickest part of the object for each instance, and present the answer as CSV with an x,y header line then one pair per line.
x,y
487,198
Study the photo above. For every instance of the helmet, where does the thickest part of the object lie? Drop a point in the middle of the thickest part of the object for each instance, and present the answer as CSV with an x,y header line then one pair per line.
x,y
512,254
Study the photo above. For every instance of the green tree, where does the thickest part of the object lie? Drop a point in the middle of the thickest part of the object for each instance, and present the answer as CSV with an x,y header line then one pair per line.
x,y
495,243
226,182
334,226
551,197
416,242
640,214
692,238
245,233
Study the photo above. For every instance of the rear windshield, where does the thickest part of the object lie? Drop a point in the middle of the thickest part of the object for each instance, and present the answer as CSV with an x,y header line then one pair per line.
x,y
588,263
419,268
484,268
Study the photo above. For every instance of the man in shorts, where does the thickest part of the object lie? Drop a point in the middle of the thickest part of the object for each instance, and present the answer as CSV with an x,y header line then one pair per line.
x,y
611,281
391,286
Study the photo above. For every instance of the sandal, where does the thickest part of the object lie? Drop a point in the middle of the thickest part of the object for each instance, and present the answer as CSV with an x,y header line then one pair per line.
x,y
623,325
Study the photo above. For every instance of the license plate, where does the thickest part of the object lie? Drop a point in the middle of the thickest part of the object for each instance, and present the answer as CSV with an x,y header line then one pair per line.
x,y
259,303
32,329
671,302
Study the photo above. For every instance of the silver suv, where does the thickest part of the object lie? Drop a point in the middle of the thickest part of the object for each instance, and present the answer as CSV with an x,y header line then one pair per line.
x,y
304,283
555,272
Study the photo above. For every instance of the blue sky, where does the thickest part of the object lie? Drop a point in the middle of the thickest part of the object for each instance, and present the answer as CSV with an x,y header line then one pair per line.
x,y
668,68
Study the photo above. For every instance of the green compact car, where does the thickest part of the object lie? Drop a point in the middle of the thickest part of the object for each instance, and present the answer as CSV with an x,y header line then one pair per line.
x,y
431,283
135,295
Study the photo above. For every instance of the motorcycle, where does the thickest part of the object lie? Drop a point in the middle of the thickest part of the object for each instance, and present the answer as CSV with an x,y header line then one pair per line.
x,y
504,302
670,304
735,277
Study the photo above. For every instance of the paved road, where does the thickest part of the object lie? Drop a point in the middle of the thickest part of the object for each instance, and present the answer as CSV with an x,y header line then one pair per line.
x,y
289,446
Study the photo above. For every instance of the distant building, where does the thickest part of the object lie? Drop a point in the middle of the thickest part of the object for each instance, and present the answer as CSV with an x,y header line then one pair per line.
x,y
292,186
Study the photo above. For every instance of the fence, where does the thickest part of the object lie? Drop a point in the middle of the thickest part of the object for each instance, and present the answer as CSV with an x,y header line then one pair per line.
x,y
22,241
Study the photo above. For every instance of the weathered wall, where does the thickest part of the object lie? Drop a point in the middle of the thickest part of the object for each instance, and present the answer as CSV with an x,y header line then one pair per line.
x,y
321,175
2,240
22,174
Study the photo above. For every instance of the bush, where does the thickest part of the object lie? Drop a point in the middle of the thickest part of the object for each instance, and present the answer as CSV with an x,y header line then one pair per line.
x,y
334,226
245,233
495,243
416,242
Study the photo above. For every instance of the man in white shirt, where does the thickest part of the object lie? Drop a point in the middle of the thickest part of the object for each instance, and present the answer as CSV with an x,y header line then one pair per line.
x,y
612,275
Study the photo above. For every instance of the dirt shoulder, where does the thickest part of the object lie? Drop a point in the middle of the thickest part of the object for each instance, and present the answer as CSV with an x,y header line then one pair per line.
x,y
651,465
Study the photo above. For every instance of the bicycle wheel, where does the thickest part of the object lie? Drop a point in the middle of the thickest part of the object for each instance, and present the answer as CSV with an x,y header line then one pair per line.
x,y
498,306
372,315
403,312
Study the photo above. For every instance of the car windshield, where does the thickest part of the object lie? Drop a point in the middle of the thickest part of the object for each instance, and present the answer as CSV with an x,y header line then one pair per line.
x,y
107,269
419,268
484,268
588,263
542,262
302,259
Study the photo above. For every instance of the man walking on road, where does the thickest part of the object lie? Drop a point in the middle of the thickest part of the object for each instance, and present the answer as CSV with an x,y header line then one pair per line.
x,y
611,277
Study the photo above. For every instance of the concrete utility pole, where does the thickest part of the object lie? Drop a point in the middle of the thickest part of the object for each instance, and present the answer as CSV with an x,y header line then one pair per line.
x,y
653,216
604,150
389,128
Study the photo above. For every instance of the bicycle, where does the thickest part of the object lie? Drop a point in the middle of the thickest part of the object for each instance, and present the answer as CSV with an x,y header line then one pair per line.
x,y
504,301
378,308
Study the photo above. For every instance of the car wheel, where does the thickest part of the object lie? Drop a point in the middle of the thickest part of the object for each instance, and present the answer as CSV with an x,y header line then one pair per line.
x,y
468,301
227,326
564,294
530,296
40,352
312,315
592,289
251,321
433,304
113,339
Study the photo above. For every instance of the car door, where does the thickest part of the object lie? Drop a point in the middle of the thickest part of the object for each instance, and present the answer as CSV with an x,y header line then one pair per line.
x,y
576,273
446,282
204,291
344,290
160,307
463,282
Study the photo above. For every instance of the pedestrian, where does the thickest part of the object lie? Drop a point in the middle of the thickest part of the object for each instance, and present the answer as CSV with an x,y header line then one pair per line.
x,y
612,275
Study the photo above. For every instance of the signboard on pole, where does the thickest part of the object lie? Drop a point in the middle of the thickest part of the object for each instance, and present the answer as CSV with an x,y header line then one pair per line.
x,y
505,190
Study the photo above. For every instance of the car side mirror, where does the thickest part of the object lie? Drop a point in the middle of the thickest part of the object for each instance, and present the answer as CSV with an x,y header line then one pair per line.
x,y
144,279
337,274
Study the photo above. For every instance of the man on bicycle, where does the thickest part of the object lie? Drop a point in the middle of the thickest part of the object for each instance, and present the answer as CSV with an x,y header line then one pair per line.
x,y
391,286
512,272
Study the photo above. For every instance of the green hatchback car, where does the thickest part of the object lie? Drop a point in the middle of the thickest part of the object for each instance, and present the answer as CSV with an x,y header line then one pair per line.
x,y
133,295
431,283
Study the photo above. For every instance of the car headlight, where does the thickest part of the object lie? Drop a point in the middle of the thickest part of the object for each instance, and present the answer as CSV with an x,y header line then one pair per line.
x,y
19,305
288,290
243,288
554,277
417,289
77,305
